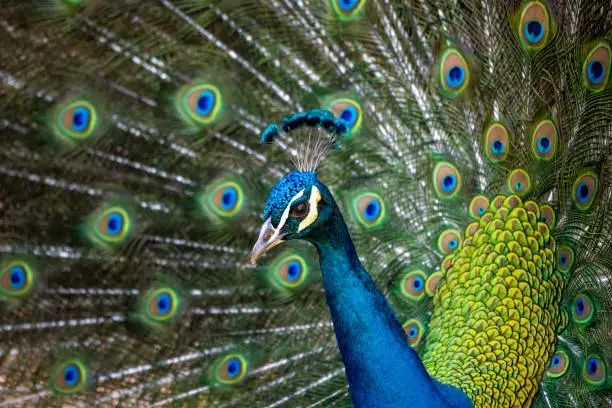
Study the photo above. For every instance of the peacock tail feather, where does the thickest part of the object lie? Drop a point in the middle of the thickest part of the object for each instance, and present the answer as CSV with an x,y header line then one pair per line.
x,y
474,174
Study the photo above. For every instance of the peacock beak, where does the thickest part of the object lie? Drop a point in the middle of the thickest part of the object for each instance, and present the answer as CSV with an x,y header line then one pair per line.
x,y
268,239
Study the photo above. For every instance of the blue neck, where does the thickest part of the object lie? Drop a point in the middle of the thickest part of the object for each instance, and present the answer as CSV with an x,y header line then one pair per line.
x,y
382,369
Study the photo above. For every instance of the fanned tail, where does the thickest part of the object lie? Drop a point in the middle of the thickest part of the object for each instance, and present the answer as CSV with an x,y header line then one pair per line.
x,y
132,180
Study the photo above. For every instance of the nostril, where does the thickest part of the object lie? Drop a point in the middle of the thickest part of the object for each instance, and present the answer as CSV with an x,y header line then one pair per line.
x,y
268,235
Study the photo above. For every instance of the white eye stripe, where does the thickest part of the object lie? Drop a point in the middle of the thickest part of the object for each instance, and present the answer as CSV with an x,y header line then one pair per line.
x,y
285,215
313,212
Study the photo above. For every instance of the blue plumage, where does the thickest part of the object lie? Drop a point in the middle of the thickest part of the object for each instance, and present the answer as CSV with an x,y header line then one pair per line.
x,y
283,191
381,367
313,118
270,133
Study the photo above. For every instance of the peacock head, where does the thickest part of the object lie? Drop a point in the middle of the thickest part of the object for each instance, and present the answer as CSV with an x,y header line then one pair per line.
x,y
298,207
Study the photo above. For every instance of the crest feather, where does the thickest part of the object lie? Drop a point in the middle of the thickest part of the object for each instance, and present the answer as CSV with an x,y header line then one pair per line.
x,y
309,147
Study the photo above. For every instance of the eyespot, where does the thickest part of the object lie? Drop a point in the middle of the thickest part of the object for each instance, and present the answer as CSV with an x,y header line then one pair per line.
x,y
597,66
534,28
454,72
558,364
446,179
299,210
449,241
76,121
548,216
232,369
594,370
479,206
112,225
347,9
544,140
225,199
16,278
369,209
583,310
200,103
497,142
413,285
565,259
162,304
69,377
585,190
432,282
519,182
292,271
348,110
414,330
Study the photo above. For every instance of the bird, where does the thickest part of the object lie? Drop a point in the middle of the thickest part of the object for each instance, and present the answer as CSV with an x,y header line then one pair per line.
x,y
301,207
276,203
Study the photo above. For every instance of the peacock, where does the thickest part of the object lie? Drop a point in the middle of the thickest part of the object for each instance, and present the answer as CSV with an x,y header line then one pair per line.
x,y
305,203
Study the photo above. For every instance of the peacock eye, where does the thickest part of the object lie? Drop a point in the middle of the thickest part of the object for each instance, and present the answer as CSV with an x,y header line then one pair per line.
x,y
300,210
16,278
222,199
454,72
76,121
232,369
544,140
111,225
565,259
347,9
69,377
226,199
414,331
479,206
583,310
413,285
585,190
348,110
547,216
446,180
497,142
449,240
159,307
291,271
199,103
596,67
162,304
519,182
594,370
558,364
369,209
534,28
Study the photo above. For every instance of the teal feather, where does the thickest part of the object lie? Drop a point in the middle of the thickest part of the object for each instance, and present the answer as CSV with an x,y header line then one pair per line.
x,y
94,100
